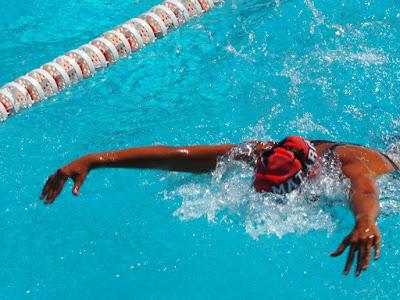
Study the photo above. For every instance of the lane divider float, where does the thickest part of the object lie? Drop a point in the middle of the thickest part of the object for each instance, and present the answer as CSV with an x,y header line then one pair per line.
x,y
81,63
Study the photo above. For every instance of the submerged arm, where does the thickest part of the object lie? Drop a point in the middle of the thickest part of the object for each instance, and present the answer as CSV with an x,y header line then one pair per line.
x,y
364,203
195,159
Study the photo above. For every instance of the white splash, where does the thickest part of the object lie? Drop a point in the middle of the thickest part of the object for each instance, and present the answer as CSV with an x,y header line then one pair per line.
x,y
306,125
239,53
393,151
366,56
319,18
229,197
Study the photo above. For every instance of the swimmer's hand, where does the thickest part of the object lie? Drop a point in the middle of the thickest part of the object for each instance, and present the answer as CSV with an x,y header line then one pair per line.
x,y
77,170
362,238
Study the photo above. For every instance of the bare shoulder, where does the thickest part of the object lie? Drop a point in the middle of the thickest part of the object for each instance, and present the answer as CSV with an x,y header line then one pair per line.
x,y
363,159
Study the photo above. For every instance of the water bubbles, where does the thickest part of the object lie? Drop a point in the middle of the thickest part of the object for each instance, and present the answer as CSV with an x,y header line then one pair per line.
x,y
393,150
389,185
319,18
239,53
307,125
230,198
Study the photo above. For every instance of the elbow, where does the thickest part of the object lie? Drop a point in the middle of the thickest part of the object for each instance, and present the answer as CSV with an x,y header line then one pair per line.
x,y
365,185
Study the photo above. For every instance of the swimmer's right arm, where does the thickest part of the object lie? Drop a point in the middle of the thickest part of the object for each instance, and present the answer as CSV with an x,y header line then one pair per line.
x,y
195,159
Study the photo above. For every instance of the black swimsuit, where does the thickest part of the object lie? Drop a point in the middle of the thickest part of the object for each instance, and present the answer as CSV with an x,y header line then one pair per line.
x,y
335,145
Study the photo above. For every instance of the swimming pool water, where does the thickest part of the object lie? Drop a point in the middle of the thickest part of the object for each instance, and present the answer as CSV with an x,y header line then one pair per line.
x,y
247,70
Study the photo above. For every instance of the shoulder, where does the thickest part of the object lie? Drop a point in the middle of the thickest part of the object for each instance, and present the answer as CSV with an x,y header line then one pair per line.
x,y
363,159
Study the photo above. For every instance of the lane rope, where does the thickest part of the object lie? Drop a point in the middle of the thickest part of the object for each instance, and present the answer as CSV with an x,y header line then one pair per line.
x,y
83,62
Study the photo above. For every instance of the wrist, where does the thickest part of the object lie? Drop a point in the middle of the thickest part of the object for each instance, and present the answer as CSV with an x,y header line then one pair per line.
x,y
89,161
365,218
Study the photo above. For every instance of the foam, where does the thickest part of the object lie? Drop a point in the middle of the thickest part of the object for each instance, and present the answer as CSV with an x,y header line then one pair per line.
x,y
230,197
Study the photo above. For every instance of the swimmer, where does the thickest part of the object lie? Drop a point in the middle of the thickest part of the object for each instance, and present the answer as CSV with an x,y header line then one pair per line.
x,y
280,167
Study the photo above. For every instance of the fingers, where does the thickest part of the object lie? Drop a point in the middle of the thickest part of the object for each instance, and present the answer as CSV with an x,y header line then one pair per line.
x,y
364,248
350,259
56,189
367,258
377,245
47,186
341,247
78,181
364,253
360,242
53,187
360,257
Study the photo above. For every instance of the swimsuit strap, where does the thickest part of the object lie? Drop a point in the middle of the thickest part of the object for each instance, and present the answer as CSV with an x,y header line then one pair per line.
x,y
319,142
335,145
395,166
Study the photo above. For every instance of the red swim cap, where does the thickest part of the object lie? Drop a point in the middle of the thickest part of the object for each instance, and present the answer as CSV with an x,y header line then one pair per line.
x,y
282,168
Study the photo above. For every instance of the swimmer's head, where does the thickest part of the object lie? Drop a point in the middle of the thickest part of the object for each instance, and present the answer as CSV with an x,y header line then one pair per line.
x,y
283,168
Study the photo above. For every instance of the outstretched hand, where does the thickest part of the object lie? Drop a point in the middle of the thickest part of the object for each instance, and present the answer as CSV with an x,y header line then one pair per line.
x,y
364,236
76,170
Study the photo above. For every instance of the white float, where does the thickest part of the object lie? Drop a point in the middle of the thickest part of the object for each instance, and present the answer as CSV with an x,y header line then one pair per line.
x,y
107,49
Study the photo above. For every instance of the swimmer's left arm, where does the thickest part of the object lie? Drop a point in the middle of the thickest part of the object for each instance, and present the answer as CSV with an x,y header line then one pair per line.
x,y
364,203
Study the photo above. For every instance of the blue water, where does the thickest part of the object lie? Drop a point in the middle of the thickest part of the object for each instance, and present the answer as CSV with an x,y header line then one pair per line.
x,y
247,70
